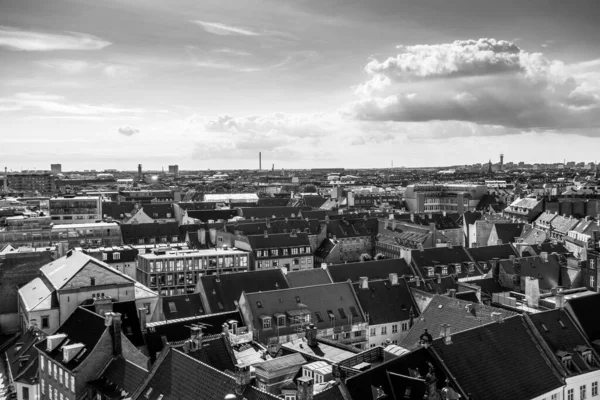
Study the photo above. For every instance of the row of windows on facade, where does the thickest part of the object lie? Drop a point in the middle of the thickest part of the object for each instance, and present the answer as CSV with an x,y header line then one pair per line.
x,y
280,320
285,252
57,378
176,279
457,270
383,329
383,344
152,240
275,263
582,392
198,263
70,217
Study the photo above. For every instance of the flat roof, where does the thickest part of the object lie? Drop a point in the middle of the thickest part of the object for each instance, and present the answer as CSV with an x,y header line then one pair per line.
x,y
75,198
191,253
88,225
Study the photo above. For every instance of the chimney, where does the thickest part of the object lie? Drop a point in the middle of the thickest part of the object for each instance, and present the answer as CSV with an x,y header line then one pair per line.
x,y
142,317
444,213
452,293
225,327
242,378
113,322
53,341
560,300
449,245
393,279
512,258
445,333
532,292
71,350
311,335
421,247
439,278
103,305
497,316
196,336
412,217
417,281
266,234
364,282
544,256
5,180
305,388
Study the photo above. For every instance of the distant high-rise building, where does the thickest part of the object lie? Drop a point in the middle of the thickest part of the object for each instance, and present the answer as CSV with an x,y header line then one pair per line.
x,y
173,169
259,160
140,176
501,161
56,168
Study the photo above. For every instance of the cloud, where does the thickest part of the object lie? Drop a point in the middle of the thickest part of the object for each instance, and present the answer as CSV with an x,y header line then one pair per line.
x,y
294,125
23,40
232,52
47,103
217,28
128,130
486,82
73,67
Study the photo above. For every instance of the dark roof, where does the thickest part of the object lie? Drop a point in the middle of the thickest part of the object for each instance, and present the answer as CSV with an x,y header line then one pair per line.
x,y
214,215
182,306
386,303
325,248
116,210
442,255
179,376
272,202
352,227
223,292
407,387
197,205
245,227
561,334
549,248
487,285
278,240
23,348
216,352
469,296
314,201
418,362
162,210
483,361
269,212
507,232
130,321
469,217
548,273
318,214
455,312
585,310
431,285
308,277
178,330
72,327
17,269
374,269
487,253
133,232
124,374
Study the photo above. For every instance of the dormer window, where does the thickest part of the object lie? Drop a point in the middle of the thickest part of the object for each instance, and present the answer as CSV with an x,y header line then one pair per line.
x,y
266,322
444,270
566,359
458,269
430,271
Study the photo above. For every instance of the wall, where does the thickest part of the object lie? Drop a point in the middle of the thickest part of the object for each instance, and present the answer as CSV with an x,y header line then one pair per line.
x,y
102,275
70,299
34,393
379,340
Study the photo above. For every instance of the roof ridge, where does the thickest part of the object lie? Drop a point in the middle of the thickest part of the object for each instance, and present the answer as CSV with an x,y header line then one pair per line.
x,y
296,288
204,364
161,323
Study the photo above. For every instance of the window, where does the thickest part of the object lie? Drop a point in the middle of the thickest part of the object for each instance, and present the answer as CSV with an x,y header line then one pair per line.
x,y
172,307
266,323
274,252
594,389
429,271
281,320
72,384
331,315
357,333
45,322
275,263
55,394
384,330
571,394
394,328
554,396
309,260
582,392
60,376
290,397
404,326
43,386
591,281
116,256
319,316
353,312
444,270
373,332
342,313
294,251
25,393
259,304
42,363
104,256
92,281
458,269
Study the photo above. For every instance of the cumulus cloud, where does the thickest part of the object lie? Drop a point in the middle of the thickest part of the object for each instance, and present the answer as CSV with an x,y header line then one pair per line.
x,y
128,130
24,40
217,28
73,67
280,124
489,82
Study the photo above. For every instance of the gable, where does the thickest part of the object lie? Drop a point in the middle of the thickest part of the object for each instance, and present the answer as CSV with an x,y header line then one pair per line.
x,y
101,275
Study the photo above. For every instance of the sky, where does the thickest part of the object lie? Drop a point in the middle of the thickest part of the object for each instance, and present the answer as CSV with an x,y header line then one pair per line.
x,y
309,83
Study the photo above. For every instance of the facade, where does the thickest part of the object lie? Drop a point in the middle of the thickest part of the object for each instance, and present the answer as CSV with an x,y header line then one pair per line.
x,y
88,234
177,272
173,169
583,238
56,168
28,182
148,196
75,210
22,364
281,250
121,258
441,197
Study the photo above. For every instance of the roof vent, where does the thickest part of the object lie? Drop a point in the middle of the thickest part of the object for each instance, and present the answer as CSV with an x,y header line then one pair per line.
x,y
70,351
53,341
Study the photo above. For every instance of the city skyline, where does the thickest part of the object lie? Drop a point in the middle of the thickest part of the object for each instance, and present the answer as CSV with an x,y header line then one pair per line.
x,y
352,84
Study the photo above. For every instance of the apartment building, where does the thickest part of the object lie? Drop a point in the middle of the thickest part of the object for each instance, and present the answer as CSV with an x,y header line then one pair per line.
x,y
443,197
75,209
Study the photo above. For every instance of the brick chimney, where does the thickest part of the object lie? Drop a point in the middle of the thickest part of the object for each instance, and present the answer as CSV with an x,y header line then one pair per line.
x,y
364,282
242,378
305,388
311,335
445,333
103,305
560,300
532,292
452,293
393,279
112,321
196,337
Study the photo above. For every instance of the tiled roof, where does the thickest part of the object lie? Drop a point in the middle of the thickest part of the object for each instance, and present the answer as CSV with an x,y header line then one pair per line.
x,y
374,269
291,360
72,327
223,292
585,310
311,227
182,306
178,330
352,227
24,348
197,205
507,232
457,313
216,352
318,214
386,303
314,201
325,248
560,333
214,215
484,362
308,277
116,210
278,240
487,253
178,376
124,374
441,255
133,232
548,273
549,248
269,212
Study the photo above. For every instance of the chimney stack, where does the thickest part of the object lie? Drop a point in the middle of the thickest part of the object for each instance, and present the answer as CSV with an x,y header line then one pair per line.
x,y
103,305
5,179
113,322
393,279
70,351
532,292
364,282
196,336
242,378
560,300
305,388
311,335
142,317
544,256
259,160
452,293
445,333
417,281
53,341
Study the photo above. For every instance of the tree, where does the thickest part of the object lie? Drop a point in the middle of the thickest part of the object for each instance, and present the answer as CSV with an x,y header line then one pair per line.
x,y
379,256
365,257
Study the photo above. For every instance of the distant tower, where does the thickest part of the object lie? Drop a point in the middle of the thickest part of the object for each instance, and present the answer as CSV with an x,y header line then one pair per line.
x,y
490,166
501,161
5,180
259,161
140,171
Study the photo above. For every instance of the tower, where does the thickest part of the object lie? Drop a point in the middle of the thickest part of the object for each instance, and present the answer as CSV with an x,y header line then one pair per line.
x,y
5,179
501,161
490,166
140,171
259,161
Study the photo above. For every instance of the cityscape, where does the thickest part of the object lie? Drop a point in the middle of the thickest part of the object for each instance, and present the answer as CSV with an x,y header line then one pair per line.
x,y
299,200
